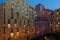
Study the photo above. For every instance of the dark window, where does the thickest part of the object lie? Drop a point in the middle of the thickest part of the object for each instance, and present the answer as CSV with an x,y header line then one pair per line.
x,y
8,21
12,30
17,29
15,21
4,30
28,22
4,12
12,13
9,38
20,22
17,14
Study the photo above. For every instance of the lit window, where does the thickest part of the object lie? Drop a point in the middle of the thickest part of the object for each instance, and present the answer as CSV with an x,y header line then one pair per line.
x,y
12,6
58,22
12,3
27,10
15,25
11,34
9,26
57,13
56,25
24,25
17,33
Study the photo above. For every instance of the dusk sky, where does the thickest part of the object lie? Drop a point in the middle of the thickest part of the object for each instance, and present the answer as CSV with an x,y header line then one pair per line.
x,y
48,4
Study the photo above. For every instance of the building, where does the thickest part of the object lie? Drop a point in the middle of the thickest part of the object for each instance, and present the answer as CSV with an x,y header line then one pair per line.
x,y
17,20
55,20
42,19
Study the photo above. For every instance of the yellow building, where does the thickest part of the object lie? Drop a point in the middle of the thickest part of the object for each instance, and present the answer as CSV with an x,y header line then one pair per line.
x,y
17,20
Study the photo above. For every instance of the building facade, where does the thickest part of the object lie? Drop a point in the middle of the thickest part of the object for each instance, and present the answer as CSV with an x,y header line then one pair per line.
x,y
42,19
17,20
55,20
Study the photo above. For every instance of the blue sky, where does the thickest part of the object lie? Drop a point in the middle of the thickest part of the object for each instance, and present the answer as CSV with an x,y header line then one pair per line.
x,y
48,4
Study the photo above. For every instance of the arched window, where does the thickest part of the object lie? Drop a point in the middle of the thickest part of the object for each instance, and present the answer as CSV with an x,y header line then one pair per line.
x,y
17,9
12,8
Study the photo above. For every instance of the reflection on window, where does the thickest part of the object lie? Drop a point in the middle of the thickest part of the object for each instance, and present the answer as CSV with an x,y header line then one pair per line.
x,y
12,8
17,9
23,6
27,10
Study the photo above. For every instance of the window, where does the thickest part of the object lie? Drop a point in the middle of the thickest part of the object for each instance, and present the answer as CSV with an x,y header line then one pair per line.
x,y
32,15
27,10
11,34
23,6
11,30
15,21
12,8
4,12
12,13
17,29
20,22
9,26
4,30
28,22
17,9
8,21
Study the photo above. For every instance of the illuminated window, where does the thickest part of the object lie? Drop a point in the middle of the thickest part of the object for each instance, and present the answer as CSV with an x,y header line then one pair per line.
x,y
17,33
11,34
58,22
9,26
15,25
